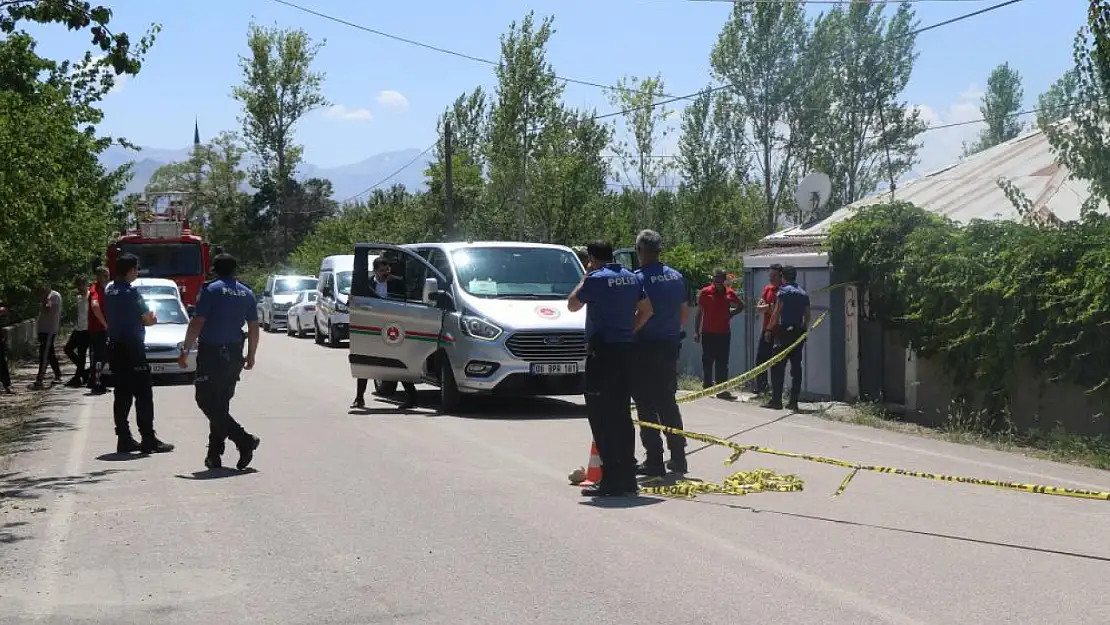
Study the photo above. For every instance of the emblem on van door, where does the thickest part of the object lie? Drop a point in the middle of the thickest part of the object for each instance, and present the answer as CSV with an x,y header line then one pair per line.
x,y
547,312
393,334
554,339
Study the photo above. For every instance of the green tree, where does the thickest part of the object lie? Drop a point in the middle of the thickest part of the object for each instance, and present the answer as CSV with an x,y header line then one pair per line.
x,y
645,128
759,55
868,134
527,98
1001,103
213,175
1060,101
1081,146
52,186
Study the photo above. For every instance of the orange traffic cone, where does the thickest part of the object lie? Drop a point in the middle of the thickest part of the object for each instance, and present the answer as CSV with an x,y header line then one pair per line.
x,y
593,470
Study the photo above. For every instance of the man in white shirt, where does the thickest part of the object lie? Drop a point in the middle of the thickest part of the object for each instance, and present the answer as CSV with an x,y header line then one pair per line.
x,y
49,321
386,286
78,344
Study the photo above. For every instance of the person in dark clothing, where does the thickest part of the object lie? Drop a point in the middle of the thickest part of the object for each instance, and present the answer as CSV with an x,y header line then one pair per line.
x,y
766,306
791,318
385,285
223,306
717,305
77,346
616,309
128,316
5,373
656,350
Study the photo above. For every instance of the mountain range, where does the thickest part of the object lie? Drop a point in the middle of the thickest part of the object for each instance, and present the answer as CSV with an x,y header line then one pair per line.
x,y
347,180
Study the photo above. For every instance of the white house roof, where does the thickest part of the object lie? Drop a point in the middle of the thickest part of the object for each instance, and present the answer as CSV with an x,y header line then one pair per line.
x,y
969,190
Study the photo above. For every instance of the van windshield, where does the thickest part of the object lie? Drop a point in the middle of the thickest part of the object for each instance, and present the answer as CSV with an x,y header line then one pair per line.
x,y
517,272
292,285
343,282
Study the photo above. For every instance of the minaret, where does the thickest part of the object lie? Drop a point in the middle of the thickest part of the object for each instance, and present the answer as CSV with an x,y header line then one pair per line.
x,y
196,133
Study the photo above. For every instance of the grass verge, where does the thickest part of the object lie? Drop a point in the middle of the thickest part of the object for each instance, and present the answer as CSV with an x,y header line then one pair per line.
x,y
969,429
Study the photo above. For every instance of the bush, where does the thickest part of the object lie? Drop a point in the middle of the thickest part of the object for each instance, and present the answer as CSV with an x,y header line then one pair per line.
x,y
983,296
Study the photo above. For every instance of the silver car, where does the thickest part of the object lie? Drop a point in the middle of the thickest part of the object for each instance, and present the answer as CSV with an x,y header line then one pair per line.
x,y
470,318
164,339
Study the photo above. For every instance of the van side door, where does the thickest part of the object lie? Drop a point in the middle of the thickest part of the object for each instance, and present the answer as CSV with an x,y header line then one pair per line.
x,y
393,336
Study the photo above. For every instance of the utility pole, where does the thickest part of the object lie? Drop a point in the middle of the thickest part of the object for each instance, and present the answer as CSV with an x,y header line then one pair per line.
x,y
448,183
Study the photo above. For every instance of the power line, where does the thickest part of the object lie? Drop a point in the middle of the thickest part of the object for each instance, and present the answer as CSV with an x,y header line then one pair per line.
x,y
912,33
393,175
461,55
845,1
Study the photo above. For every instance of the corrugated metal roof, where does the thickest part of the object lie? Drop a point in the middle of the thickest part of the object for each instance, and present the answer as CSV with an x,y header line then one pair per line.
x,y
969,189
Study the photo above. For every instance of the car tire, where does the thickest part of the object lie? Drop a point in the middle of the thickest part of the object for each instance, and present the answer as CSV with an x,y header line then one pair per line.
x,y
319,337
333,342
450,399
301,332
384,389
289,328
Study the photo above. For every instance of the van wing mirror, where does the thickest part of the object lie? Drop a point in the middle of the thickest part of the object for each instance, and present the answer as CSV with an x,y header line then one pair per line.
x,y
431,287
444,301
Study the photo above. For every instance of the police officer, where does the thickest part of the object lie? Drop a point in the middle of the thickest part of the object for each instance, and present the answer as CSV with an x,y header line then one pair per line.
x,y
616,308
789,322
128,315
223,305
656,349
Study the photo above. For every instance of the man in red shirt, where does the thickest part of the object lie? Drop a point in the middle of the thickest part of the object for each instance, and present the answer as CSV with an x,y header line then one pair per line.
x,y
98,330
767,338
717,305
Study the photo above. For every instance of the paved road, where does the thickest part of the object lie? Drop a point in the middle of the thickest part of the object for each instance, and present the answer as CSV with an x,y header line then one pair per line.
x,y
379,517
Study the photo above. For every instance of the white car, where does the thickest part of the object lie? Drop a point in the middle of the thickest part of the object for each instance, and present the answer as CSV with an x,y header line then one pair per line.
x,y
302,313
157,287
164,339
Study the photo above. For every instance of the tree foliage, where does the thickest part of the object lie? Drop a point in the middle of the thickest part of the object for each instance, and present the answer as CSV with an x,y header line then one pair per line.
x,y
1060,100
53,189
1001,104
982,297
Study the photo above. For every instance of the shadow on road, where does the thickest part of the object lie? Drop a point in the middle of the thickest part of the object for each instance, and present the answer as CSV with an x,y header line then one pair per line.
x,y
216,474
637,501
25,426
481,407
20,486
118,457
8,537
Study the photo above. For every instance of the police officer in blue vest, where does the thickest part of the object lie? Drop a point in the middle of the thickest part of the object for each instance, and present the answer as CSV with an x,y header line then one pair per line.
x,y
616,308
128,315
657,345
223,305
789,322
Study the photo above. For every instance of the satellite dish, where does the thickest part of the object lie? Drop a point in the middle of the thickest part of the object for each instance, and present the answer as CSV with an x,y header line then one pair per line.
x,y
813,191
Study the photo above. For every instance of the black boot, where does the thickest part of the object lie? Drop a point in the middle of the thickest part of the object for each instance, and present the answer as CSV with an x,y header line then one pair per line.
x,y
246,452
652,466
214,458
151,445
677,463
126,444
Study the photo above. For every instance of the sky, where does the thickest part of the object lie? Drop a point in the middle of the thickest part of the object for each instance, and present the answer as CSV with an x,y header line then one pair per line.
x,y
386,95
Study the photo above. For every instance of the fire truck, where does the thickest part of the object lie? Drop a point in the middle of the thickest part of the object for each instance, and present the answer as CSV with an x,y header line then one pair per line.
x,y
165,245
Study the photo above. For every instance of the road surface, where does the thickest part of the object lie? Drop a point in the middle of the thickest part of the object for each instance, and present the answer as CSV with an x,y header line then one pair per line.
x,y
377,517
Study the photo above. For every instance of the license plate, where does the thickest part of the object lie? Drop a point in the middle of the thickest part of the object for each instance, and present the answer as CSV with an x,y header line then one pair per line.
x,y
157,368
555,368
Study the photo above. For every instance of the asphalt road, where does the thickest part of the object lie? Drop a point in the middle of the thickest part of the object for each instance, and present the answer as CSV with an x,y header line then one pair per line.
x,y
379,517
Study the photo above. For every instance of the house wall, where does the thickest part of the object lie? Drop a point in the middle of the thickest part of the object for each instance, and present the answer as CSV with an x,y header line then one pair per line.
x,y
1035,404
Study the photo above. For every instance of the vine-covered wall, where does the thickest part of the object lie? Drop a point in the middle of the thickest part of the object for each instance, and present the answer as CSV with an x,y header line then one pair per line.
x,y
981,299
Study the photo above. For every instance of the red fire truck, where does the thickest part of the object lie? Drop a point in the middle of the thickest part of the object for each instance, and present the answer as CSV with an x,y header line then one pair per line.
x,y
165,246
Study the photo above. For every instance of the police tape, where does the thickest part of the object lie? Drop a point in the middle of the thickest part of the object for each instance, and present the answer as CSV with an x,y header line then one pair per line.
x,y
739,449
740,483
751,374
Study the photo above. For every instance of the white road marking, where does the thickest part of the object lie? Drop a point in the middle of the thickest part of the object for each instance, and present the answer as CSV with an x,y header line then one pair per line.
x,y
43,602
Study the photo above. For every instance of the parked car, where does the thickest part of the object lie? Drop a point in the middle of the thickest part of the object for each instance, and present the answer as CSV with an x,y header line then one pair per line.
x,y
301,314
164,339
470,318
278,296
331,322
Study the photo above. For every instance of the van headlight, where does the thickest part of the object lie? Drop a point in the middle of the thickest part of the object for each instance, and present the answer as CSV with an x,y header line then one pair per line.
x,y
340,307
479,328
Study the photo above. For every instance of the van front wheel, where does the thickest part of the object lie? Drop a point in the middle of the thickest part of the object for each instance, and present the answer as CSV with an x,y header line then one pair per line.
x,y
317,334
384,389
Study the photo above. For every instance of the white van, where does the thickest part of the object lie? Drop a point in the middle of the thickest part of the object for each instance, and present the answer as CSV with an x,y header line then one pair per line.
x,y
475,318
277,296
333,288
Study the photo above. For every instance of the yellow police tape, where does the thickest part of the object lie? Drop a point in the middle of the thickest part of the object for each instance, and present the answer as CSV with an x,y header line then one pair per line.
x,y
739,449
740,483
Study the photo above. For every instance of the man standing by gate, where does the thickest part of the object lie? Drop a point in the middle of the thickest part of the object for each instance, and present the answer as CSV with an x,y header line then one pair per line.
x,y
791,318
223,306
717,305
766,306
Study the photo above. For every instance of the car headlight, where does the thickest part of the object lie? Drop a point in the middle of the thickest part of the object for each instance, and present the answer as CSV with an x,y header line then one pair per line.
x,y
479,328
341,308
